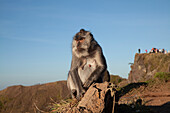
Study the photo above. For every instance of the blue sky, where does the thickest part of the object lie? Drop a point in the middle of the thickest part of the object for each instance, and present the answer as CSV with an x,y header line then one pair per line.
x,y
36,35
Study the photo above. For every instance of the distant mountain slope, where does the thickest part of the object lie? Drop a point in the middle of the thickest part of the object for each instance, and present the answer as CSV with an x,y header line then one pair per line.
x,y
116,79
146,65
21,99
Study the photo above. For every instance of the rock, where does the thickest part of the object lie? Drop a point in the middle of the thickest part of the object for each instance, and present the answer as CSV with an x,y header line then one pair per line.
x,y
146,65
74,110
99,98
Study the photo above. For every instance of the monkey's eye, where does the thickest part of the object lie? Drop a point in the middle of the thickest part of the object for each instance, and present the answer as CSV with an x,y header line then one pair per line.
x,y
82,40
79,38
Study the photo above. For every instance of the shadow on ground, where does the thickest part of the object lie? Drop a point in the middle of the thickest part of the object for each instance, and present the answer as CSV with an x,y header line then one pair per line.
x,y
136,107
128,88
124,108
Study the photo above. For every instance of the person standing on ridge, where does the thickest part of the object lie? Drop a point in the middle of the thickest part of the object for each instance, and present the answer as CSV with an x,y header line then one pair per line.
x,y
163,50
139,50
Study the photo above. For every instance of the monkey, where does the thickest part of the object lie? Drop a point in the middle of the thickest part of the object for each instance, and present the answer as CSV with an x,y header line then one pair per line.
x,y
88,64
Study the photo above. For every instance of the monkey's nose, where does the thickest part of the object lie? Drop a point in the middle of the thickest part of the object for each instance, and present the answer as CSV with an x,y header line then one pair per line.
x,y
78,44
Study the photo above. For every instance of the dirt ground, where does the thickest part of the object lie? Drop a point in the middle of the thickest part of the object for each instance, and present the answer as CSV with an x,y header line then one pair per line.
x,y
155,97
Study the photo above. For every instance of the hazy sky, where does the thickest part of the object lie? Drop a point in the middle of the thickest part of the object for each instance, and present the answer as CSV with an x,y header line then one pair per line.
x,y
36,35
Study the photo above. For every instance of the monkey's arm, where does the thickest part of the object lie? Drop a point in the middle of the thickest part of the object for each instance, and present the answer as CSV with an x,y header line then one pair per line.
x,y
101,67
74,62
73,73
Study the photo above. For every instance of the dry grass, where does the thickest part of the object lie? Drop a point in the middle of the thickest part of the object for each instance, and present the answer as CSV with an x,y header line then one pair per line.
x,y
61,106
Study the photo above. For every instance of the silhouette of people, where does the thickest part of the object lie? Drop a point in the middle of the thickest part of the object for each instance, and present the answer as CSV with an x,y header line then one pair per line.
x,y
155,50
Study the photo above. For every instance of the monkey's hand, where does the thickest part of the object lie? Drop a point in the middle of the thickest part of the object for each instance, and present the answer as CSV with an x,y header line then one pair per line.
x,y
87,83
81,94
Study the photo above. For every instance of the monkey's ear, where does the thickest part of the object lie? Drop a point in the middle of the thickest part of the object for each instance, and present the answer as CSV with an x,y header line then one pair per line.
x,y
82,30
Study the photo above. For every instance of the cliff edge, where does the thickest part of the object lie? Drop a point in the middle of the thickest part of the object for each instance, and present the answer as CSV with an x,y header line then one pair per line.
x,y
146,65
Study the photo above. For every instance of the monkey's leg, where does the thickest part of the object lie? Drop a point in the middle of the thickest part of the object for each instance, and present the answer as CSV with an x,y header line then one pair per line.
x,y
94,76
106,76
71,86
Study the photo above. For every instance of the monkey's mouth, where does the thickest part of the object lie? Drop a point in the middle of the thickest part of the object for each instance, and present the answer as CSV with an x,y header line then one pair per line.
x,y
80,49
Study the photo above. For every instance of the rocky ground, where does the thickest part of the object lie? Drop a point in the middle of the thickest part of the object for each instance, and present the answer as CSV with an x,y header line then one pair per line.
x,y
154,96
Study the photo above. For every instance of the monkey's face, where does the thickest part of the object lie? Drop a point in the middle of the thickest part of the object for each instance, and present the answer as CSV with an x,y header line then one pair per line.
x,y
81,42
